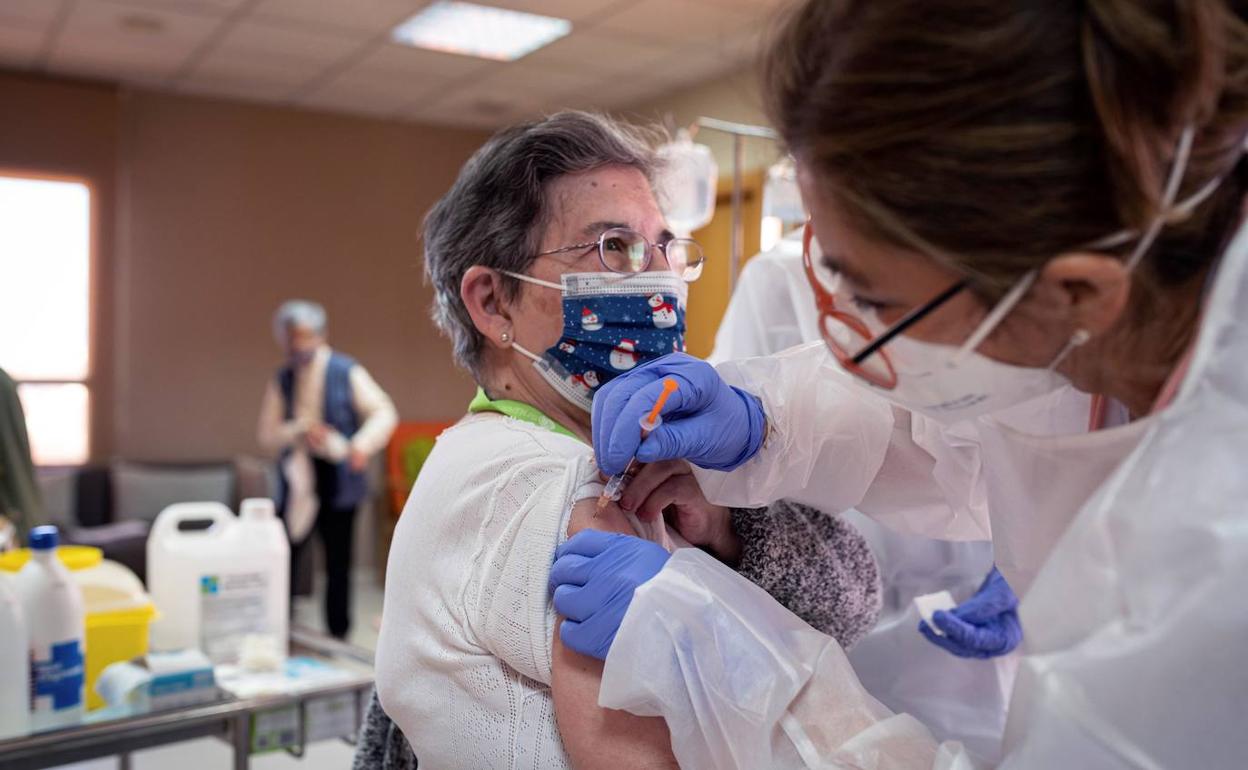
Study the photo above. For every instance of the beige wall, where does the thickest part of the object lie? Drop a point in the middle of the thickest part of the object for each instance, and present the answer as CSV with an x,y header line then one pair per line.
x,y
209,214
226,210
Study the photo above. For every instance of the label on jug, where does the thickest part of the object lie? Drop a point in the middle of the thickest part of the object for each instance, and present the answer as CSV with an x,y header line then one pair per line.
x,y
56,682
231,607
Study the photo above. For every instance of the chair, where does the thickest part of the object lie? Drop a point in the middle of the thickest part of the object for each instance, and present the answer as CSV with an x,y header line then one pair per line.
x,y
406,453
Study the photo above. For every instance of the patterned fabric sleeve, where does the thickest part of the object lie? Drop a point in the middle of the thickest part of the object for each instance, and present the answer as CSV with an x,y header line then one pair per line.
x,y
818,566
381,745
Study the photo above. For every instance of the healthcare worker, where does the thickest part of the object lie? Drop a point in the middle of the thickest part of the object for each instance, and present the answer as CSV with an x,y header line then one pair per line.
x,y
1024,205
950,687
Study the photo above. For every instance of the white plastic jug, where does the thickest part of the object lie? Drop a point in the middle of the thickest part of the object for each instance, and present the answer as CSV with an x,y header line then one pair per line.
x,y
218,584
55,623
14,662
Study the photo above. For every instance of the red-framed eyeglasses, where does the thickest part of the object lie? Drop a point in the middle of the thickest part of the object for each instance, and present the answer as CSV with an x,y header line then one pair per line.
x,y
860,351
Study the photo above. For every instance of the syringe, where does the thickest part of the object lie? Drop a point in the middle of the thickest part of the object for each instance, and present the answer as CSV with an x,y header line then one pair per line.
x,y
616,484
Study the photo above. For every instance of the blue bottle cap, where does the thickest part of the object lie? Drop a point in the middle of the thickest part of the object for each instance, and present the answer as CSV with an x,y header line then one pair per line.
x,y
44,538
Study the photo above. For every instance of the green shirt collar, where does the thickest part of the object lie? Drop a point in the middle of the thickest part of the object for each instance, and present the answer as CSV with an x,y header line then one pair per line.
x,y
517,410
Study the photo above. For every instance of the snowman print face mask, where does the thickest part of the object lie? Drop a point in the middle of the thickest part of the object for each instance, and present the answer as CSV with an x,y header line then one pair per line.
x,y
611,323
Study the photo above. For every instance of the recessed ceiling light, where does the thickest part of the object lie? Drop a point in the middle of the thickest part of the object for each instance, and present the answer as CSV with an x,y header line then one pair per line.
x,y
479,30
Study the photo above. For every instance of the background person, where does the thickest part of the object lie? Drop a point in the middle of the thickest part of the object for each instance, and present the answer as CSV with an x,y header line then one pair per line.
x,y
324,416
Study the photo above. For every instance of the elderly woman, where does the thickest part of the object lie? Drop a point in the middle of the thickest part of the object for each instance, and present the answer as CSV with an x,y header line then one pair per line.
x,y
553,272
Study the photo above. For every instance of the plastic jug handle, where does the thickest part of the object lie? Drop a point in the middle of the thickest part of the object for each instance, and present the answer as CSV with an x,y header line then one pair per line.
x,y
168,523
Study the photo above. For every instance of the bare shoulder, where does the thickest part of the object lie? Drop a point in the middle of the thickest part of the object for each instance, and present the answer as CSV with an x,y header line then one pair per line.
x,y
585,515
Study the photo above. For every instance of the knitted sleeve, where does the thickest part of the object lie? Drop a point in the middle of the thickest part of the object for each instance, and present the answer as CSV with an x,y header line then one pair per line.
x,y
818,566
381,744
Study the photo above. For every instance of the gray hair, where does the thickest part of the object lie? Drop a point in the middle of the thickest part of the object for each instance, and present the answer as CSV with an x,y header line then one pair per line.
x,y
495,212
298,312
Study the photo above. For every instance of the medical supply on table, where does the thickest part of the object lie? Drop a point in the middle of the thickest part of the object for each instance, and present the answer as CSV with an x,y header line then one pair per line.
x,y
118,609
261,652
158,681
8,534
616,484
217,584
14,662
984,626
722,428
119,614
294,675
52,604
590,604
928,604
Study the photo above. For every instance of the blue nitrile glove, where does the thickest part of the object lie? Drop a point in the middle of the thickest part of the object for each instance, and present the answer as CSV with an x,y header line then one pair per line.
x,y
593,580
706,421
984,626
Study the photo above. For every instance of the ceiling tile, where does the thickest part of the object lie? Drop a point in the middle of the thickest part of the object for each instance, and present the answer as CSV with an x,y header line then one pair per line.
x,y
530,79
291,56
96,38
621,95
20,43
461,116
689,71
759,8
291,74
572,10
676,21
372,16
600,51
206,7
377,95
29,11
284,40
480,106
392,61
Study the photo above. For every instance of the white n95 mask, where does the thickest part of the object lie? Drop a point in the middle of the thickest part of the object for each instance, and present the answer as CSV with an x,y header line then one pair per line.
x,y
949,383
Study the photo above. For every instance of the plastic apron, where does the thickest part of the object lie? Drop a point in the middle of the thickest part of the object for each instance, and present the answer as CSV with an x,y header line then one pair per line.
x,y
773,309
1137,631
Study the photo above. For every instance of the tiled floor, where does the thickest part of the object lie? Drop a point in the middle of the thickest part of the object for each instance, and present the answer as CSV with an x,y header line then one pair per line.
x,y
212,754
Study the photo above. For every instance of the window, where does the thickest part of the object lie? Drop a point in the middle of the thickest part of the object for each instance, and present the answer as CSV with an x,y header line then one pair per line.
x,y
45,267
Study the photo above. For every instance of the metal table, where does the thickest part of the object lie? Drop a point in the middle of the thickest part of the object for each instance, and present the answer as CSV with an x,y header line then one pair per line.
x,y
229,719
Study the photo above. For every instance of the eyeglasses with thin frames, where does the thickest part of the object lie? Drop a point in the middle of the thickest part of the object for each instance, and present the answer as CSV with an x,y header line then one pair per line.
x,y
626,251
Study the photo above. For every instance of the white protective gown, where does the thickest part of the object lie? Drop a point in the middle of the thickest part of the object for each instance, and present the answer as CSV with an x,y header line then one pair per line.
x,y
773,309
1136,654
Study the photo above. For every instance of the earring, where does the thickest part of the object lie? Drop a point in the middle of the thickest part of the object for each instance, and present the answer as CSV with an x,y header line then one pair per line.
x,y
505,337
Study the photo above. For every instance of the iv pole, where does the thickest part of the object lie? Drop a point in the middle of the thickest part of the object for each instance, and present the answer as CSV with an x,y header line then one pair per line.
x,y
738,131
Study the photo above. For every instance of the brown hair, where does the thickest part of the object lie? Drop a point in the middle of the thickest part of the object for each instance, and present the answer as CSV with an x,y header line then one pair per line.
x,y
995,135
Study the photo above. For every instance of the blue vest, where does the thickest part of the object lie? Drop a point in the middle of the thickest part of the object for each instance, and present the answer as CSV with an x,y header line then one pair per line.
x,y
339,413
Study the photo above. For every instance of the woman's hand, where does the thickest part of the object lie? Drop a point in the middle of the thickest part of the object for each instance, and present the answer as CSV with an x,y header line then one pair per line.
x,y
670,487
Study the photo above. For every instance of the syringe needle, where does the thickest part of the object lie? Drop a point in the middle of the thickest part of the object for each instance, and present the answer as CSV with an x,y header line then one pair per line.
x,y
615,485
